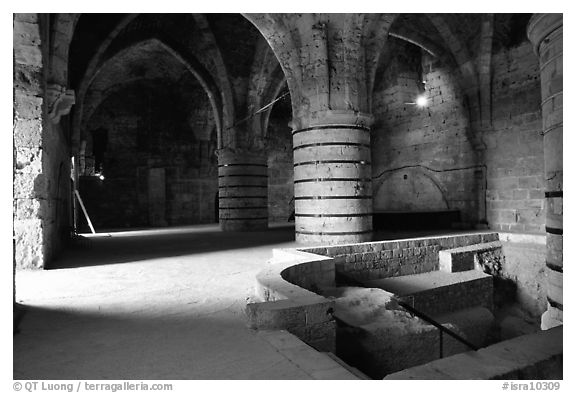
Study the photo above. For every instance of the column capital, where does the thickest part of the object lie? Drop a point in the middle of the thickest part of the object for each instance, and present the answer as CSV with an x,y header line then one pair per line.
x,y
60,101
541,26
333,117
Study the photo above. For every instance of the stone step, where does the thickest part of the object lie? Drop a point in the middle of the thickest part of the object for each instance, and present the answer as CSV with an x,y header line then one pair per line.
x,y
318,365
470,257
353,370
440,292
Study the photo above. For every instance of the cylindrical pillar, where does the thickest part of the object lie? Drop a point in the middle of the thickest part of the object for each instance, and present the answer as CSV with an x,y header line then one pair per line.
x,y
333,179
545,32
242,190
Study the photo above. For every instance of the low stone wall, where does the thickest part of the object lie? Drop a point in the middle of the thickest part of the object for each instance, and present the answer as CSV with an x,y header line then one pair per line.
x,y
470,257
285,287
375,260
525,262
453,297
535,356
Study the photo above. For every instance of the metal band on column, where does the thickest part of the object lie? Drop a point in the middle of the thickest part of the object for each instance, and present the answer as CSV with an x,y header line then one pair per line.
x,y
242,191
332,184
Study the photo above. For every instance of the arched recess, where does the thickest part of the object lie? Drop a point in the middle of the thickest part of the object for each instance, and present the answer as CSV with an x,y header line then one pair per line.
x,y
216,82
190,63
152,125
410,189
439,137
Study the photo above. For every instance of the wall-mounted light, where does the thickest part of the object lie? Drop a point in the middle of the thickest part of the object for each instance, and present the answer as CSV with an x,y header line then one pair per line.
x,y
101,177
421,101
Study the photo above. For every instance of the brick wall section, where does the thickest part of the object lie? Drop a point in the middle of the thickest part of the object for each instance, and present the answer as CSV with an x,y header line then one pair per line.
x,y
420,155
371,261
514,154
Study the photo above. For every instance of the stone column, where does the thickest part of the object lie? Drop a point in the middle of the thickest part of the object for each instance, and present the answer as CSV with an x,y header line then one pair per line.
x,y
330,63
332,179
242,190
545,32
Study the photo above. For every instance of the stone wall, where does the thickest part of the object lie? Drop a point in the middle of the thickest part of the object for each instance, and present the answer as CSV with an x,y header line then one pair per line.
x,y
41,156
525,261
422,159
159,164
285,299
514,154
371,261
531,357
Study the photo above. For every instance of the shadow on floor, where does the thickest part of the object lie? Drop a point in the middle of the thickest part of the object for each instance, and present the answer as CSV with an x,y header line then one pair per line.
x,y
56,344
141,245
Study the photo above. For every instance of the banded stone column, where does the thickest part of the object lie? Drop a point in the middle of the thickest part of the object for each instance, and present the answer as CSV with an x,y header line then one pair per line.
x,y
242,190
545,32
332,179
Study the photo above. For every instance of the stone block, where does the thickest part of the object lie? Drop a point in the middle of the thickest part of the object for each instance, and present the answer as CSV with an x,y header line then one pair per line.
x,y
280,314
28,133
27,209
321,336
463,258
28,185
29,160
29,243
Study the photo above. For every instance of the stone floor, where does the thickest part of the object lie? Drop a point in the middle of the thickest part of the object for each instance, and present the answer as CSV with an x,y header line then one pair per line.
x,y
156,304
164,304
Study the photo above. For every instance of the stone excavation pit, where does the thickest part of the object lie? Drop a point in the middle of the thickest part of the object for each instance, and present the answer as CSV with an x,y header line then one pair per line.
x,y
375,305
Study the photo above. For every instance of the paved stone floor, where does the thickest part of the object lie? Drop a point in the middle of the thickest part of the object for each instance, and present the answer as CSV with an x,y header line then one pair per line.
x,y
164,304
156,304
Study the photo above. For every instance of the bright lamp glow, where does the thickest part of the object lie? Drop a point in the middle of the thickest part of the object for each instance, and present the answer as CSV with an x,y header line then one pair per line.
x,y
101,177
421,101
